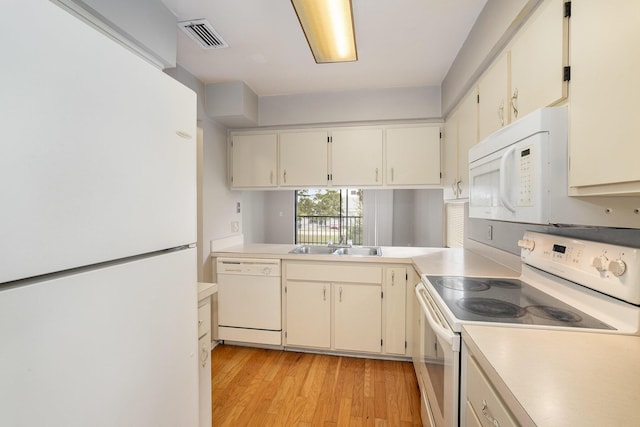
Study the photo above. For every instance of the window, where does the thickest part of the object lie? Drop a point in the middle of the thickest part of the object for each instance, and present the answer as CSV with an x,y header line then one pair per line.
x,y
324,215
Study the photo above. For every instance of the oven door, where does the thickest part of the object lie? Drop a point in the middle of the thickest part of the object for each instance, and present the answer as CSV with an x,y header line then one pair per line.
x,y
437,363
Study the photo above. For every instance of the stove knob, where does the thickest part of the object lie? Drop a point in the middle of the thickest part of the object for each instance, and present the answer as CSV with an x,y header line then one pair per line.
x,y
600,263
527,244
617,267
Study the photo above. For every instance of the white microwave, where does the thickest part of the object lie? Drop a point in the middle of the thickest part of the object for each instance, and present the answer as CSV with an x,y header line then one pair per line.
x,y
520,174
513,171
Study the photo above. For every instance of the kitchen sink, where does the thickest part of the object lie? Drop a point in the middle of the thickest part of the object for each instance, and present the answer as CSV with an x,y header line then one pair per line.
x,y
337,250
313,250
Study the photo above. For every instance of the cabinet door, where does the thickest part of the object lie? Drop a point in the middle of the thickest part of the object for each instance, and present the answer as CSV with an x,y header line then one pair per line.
x,y
356,157
493,108
358,317
467,137
303,159
450,157
604,127
308,314
538,55
395,310
413,155
254,160
204,379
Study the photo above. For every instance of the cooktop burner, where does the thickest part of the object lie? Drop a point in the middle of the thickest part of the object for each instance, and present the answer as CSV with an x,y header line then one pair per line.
x,y
507,301
491,307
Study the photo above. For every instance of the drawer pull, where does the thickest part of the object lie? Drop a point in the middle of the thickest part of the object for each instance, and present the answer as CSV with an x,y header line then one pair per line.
x,y
487,416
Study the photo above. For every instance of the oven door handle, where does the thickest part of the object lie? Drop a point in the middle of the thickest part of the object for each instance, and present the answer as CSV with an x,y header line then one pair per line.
x,y
443,332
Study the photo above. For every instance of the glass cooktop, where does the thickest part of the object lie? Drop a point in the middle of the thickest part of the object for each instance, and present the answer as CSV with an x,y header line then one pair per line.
x,y
507,301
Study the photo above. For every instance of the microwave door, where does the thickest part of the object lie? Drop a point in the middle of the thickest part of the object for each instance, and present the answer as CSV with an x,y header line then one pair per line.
x,y
507,185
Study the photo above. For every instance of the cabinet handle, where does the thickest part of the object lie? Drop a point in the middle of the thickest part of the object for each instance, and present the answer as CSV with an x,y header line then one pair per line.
x,y
284,176
324,293
501,112
391,174
393,278
271,177
204,355
514,103
340,293
487,415
376,174
183,135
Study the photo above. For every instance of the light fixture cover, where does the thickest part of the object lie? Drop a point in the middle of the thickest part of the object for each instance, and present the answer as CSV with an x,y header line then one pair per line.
x,y
328,27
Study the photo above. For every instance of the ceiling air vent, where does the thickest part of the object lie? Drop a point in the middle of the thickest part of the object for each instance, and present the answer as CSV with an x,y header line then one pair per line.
x,y
201,31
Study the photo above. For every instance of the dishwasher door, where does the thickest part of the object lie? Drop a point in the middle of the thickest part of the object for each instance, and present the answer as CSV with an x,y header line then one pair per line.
x,y
249,300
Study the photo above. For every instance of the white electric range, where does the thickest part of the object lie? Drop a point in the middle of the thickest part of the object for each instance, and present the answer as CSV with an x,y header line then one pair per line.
x,y
565,283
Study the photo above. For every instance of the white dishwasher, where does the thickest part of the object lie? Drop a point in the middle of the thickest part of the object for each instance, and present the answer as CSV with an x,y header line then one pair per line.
x,y
249,300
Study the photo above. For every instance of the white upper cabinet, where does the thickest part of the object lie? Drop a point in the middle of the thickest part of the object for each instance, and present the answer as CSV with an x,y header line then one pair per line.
x,y
494,100
356,157
538,56
304,159
467,137
254,160
460,133
413,155
604,127
450,157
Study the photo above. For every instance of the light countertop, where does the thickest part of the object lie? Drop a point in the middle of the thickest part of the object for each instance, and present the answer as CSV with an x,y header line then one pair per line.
x,y
436,261
205,290
561,378
390,254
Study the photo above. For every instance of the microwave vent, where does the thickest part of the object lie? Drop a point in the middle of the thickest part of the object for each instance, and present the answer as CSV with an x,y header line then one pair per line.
x,y
201,31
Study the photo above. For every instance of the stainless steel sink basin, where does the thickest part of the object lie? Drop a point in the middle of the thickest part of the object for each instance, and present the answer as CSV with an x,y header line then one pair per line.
x,y
359,250
333,250
313,250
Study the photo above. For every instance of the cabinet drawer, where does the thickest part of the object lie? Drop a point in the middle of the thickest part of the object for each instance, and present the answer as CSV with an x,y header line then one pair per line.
x,y
484,400
204,319
348,273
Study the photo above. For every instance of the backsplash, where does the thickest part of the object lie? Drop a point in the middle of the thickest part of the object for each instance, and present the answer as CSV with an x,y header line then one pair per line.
x,y
504,235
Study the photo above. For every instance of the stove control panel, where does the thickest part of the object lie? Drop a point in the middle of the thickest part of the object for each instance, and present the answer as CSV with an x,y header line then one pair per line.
x,y
610,269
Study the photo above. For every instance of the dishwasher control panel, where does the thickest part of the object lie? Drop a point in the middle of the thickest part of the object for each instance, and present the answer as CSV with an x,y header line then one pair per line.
x,y
249,266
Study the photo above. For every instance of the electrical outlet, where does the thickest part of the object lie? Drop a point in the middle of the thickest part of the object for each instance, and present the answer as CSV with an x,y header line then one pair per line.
x,y
235,226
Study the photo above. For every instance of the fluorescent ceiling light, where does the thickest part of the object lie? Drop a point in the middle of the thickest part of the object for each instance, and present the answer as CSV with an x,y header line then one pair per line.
x,y
328,27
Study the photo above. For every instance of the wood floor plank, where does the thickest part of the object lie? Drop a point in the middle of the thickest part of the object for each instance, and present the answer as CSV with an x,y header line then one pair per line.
x,y
259,387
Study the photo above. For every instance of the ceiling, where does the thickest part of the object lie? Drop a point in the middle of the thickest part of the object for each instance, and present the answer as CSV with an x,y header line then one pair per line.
x,y
401,43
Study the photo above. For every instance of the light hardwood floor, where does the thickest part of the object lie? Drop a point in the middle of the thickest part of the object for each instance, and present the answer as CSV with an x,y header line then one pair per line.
x,y
258,387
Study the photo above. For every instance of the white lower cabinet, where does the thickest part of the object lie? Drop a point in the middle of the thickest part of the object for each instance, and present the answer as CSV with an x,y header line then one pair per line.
x,y
481,404
358,317
333,306
346,307
308,313
204,361
395,309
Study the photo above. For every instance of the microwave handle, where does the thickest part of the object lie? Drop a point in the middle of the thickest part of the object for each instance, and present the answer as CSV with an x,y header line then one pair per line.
x,y
503,179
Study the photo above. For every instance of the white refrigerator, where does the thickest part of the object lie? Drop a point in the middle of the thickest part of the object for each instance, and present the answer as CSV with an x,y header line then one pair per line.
x,y
98,300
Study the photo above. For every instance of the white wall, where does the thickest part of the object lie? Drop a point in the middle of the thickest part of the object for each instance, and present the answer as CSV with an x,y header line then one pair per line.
x,y
146,24
410,103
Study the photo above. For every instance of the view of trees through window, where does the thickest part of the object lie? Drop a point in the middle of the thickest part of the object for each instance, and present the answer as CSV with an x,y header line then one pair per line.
x,y
324,215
